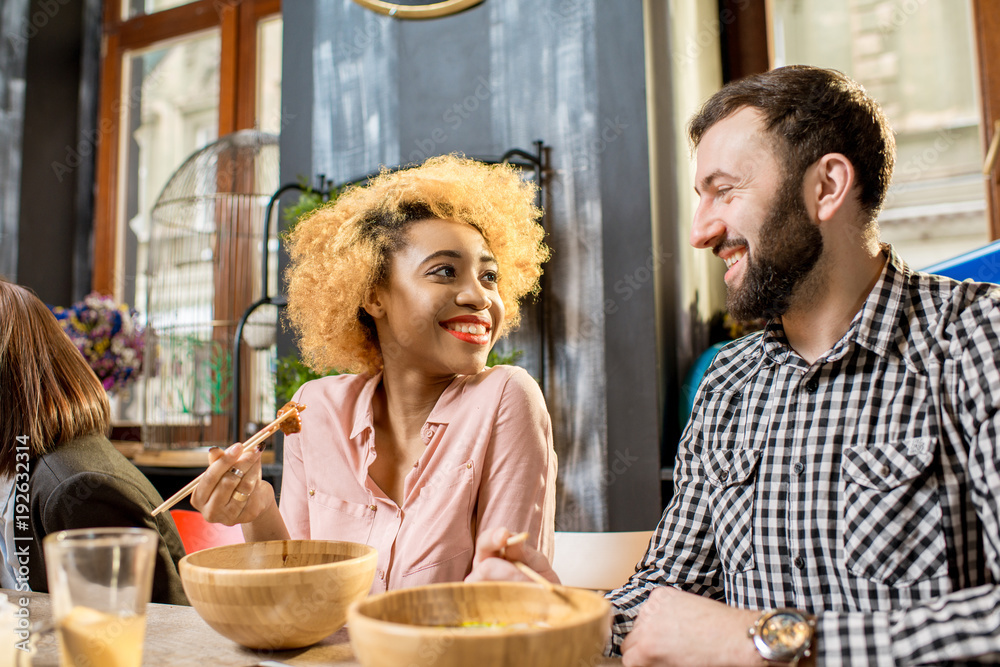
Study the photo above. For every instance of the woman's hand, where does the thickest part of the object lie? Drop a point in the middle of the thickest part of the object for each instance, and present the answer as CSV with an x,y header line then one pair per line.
x,y
232,490
492,559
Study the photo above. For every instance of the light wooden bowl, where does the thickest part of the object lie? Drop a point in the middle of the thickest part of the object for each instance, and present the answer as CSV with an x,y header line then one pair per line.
x,y
422,626
278,595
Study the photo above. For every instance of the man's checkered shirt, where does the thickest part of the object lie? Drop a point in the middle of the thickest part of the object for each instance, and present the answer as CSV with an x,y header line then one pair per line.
x,y
864,488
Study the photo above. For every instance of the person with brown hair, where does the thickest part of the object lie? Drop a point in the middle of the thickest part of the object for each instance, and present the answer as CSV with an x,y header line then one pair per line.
x,y
837,490
54,421
407,283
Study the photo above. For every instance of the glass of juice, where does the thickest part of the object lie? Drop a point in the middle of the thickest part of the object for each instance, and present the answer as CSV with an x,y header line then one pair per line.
x,y
100,580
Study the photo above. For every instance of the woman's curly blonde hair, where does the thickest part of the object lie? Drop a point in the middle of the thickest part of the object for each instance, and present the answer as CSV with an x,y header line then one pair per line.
x,y
341,251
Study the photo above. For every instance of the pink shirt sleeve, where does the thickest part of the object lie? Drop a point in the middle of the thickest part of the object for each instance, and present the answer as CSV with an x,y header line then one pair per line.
x,y
293,503
518,488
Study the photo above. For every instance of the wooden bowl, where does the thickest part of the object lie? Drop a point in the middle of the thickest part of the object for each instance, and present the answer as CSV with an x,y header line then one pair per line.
x,y
278,595
423,626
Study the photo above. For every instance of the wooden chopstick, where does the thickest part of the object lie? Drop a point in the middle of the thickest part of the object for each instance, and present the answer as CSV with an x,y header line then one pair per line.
x,y
534,576
258,437
524,569
515,539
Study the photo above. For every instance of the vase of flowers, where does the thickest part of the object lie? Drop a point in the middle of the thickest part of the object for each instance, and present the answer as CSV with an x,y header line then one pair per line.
x,y
109,337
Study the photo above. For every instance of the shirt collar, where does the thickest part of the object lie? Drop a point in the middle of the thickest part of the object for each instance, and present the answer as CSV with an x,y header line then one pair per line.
x,y
873,327
442,413
876,325
363,407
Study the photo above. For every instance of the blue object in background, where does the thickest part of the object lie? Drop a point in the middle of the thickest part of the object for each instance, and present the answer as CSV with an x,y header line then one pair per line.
x,y
981,265
693,379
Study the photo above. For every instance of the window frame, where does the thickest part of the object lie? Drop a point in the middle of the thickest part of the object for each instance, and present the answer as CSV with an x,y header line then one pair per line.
x,y
747,48
237,22
986,19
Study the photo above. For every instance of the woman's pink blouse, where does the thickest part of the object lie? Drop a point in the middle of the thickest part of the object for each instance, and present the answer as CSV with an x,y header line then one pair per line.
x,y
488,462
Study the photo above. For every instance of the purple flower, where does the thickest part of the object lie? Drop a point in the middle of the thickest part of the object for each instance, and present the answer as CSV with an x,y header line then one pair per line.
x,y
108,336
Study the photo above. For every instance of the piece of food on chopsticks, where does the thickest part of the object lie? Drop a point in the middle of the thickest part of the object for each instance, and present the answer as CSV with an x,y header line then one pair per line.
x,y
292,424
288,420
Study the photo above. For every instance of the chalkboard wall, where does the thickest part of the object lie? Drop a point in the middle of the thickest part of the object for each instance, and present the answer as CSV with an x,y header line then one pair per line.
x,y
361,90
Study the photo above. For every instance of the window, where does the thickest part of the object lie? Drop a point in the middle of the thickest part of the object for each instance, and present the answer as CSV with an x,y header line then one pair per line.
x,y
918,60
932,65
176,76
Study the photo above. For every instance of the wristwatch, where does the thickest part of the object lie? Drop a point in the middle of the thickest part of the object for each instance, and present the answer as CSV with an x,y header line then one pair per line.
x,y
783,636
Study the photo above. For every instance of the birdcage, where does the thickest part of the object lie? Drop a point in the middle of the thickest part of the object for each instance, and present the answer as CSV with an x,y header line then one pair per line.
x,y
204,268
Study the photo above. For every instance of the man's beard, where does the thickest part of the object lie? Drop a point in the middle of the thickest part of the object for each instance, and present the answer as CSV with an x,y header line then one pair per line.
x,y
787,249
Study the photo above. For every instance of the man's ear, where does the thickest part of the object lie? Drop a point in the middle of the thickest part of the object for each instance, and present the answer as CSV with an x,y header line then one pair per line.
x,y
373,303
830,182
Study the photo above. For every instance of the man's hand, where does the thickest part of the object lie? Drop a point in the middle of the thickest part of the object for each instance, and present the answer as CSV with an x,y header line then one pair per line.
x,y
678,628
492,559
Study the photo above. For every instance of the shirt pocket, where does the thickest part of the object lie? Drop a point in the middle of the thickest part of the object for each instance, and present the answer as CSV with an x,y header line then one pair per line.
x,y
440,519
731,475
892,512
331,518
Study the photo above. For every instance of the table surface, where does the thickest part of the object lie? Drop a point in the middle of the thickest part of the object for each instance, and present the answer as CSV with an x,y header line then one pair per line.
x,y
176,636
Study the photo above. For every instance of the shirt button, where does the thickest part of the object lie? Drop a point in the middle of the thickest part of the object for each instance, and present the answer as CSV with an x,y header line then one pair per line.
x,y
798,468
884,470
372,508
468,465
812,385
381,574
312,492
799,562
427,433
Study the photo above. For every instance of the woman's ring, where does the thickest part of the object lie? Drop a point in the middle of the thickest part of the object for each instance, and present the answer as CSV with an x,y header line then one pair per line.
x,y
236,471
240,497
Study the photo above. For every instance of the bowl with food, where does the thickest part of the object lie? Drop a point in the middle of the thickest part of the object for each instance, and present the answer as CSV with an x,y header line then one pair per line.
x,y
486,624
280,594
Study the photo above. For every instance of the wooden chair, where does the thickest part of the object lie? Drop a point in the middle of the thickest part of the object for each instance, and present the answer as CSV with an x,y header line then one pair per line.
x,y
598,561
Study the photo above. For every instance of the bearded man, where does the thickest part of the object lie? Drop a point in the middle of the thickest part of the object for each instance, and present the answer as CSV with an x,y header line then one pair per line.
x,y
838,486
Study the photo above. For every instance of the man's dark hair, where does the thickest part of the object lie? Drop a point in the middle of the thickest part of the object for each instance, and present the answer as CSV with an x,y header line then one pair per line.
x,y
812,112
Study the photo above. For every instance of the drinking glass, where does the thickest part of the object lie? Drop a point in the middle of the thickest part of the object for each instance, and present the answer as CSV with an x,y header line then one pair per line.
x,y
100,581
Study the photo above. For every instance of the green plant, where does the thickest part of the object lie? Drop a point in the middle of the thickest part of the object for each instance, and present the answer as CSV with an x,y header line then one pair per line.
x,y
291,374
497,359
210,387
309,200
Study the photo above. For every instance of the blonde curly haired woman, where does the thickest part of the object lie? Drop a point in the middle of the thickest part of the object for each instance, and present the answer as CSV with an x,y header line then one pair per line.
x,y
408,283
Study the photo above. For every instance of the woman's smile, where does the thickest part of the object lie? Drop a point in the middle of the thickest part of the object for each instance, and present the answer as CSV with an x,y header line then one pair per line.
x,y
469,328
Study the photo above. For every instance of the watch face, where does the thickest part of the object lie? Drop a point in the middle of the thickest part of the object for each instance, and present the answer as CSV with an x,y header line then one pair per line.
x,y
785,633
